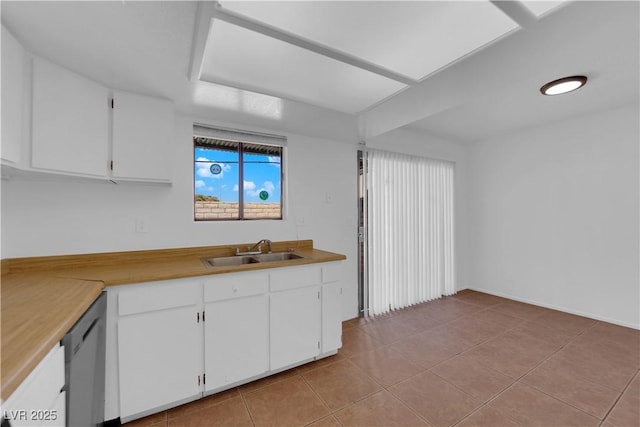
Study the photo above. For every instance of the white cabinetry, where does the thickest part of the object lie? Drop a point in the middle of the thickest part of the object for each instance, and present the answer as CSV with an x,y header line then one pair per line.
x,y
294,315
331,306
13,70
39,401
177,340
236,338
70,131
295,326
142,135
159,346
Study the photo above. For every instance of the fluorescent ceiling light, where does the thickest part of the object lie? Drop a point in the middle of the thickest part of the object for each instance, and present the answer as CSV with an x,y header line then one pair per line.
x,y
412,38
241,58
564,85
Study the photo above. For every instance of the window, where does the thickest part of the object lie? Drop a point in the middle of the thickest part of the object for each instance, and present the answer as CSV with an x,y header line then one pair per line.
x,y
237,175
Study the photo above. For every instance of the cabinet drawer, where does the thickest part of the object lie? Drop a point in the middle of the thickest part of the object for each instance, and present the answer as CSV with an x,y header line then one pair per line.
x,y
331,272
294,277
228,286
159,296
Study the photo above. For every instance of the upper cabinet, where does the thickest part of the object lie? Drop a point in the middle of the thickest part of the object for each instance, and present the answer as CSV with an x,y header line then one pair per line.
x,y
79,128
13,70
70,121
142,134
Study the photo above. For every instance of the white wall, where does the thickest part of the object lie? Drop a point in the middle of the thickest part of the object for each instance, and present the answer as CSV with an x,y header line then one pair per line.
x,y
422,144
53,217
554,216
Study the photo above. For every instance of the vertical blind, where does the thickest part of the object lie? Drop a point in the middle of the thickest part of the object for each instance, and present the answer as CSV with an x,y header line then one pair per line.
x,y
410,230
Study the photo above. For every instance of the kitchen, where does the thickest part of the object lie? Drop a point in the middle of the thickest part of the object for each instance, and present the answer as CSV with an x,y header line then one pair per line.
x,y
508,158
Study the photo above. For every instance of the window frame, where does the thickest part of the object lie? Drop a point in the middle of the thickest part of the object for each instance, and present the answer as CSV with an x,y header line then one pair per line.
x,y
243,139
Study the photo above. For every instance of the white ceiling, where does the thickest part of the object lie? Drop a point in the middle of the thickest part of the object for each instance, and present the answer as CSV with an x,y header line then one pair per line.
x,y
265,64
461,70
413,38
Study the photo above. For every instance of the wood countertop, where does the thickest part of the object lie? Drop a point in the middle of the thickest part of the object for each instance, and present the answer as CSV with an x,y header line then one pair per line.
x,y
37,311
43,297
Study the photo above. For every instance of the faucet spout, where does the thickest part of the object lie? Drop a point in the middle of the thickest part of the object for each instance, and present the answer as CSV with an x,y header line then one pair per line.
x,y
259,245
256,249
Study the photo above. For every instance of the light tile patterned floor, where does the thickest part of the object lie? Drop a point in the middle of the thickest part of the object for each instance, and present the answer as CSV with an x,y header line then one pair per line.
x,y
468,360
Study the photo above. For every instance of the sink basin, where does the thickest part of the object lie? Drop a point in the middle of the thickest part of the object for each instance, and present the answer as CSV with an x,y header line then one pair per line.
x,y
229,261
249,259
279,256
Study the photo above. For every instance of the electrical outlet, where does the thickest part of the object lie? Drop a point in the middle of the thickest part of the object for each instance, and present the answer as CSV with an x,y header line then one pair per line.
x,y
142,225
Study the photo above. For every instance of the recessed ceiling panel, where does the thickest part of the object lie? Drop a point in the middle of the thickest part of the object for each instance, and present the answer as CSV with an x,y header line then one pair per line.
x,y
242,58
414,38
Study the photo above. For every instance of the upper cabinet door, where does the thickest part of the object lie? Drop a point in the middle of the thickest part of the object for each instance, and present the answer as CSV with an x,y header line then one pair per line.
x,y
13,70
70,121
142,135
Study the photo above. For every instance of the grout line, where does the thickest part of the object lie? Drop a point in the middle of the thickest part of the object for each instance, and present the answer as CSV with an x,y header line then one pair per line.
x,y
406,405
390,346
304,380
633,377
246,407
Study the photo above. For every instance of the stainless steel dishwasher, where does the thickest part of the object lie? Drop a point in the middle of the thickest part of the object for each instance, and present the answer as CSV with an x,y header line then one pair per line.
x,y
84,358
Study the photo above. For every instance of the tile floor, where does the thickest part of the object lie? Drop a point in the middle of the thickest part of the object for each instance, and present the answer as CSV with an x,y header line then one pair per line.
x,y
468,360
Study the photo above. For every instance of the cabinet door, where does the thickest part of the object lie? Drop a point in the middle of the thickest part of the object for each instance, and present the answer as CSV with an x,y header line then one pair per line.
x,y
142,135
331,316
236,341
70,121
58,414
294,326
12,96
32,403
159,358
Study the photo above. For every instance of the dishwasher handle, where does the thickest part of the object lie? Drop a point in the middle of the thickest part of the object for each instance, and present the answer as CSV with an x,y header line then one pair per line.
x,y
83,328
84,337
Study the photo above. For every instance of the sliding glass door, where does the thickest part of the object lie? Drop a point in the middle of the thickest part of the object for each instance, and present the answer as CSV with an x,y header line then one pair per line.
x,y
407,230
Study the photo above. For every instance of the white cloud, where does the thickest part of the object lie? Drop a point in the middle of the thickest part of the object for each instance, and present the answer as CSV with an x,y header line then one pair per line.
x,y
274,161
252,190
200,184
267,186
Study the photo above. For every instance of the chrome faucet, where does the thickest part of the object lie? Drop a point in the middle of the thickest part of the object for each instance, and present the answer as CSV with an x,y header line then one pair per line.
x,y
259,245
256,249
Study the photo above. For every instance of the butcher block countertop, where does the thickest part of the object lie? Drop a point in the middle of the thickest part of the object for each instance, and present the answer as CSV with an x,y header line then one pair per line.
x,y
43,297
37,311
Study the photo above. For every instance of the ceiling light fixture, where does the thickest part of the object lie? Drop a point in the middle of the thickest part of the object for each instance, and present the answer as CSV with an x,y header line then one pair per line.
x,y
564,85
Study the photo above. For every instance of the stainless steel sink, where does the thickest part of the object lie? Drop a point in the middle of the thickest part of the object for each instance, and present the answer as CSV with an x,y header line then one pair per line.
x,y
279,256
249,259
229,261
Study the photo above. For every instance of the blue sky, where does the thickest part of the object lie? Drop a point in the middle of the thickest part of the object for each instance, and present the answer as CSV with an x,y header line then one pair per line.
x,y
257,176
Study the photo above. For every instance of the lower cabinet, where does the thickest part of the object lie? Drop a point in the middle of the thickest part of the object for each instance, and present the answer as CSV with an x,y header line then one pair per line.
x,y
178,340
236,330
40,399
331,316
294,326
159,347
